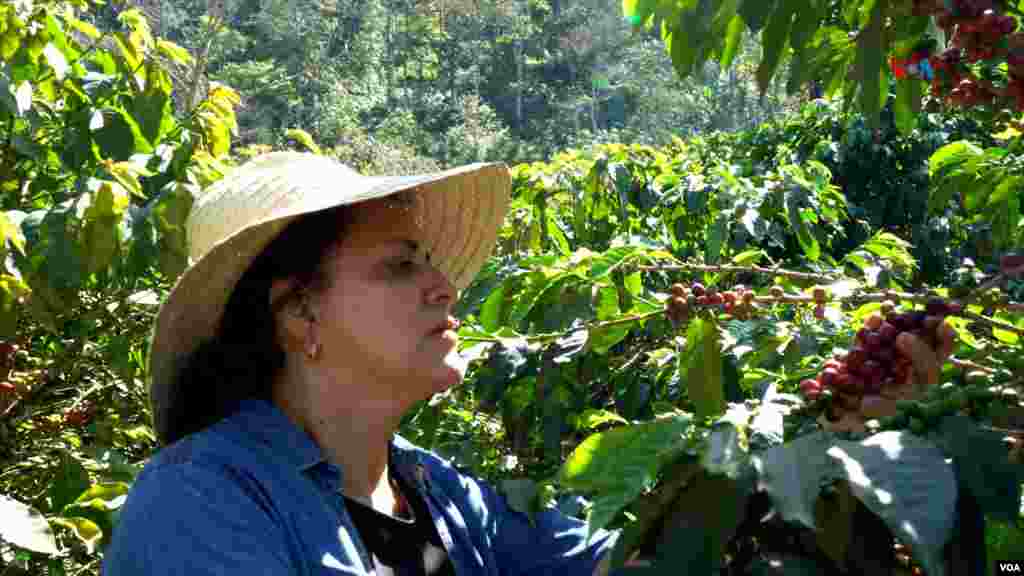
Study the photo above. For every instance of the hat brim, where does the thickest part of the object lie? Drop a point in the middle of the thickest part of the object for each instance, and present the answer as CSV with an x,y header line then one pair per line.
x,y
461,211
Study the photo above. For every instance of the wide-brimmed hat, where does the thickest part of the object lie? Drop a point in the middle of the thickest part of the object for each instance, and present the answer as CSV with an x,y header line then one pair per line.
x,y
458,211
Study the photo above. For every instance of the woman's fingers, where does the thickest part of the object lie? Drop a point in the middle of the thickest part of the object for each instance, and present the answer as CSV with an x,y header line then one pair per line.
x,y
924,359
873,321
947,341
875,406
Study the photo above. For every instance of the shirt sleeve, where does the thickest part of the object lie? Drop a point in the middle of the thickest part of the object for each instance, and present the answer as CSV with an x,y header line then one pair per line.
x,y
553,544
184,519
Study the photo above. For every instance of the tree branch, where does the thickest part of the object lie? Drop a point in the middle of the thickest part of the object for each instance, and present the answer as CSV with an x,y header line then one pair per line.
x,y
744,269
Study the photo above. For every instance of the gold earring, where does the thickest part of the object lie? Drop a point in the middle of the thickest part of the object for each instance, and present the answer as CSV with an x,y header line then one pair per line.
x,y
313,351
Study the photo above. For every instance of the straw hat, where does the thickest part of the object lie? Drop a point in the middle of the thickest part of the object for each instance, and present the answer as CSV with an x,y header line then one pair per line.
x,y
458,211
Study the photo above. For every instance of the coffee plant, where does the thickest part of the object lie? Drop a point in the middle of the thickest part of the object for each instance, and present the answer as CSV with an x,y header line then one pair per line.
x,y
697,344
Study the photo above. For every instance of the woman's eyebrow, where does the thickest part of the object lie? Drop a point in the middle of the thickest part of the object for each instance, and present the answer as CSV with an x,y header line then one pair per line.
x,y
410,244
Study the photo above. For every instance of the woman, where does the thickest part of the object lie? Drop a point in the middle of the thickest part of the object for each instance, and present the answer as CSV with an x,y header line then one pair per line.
x,y
315,312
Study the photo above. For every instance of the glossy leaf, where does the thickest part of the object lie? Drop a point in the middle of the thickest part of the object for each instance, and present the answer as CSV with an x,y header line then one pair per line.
x,y
756,14
100,236
907,482
701,361
774,41
871,50
983,465
85,529
620,463
71,481
733,37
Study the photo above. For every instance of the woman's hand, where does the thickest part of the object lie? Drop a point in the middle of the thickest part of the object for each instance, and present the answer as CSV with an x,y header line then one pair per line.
x,y
927,354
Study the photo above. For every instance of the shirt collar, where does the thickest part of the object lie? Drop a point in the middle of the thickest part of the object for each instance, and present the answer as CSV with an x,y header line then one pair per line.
x,y
264,423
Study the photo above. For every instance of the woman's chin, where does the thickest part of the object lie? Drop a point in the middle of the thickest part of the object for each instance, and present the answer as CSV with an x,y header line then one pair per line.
x,y
450,373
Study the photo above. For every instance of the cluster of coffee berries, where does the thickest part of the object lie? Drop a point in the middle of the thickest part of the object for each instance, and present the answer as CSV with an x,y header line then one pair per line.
x,y
738,302
80,415
874,363
978,32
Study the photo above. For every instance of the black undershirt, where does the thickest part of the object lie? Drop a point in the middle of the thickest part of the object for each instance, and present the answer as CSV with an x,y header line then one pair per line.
x,y
402,547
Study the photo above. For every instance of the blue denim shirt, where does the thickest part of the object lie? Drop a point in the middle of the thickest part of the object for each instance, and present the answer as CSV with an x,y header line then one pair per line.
x,y
253,494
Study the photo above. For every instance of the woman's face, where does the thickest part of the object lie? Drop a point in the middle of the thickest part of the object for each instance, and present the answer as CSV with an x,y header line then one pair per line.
x,y
378,320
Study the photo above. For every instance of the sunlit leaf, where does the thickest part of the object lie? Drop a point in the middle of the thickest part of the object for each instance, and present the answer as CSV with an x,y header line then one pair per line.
x,y
85,529
173,51
618,464
702,363
70,482
56,60
593,418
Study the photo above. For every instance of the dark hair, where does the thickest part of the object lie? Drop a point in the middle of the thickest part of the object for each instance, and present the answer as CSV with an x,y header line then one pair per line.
x,y
242,360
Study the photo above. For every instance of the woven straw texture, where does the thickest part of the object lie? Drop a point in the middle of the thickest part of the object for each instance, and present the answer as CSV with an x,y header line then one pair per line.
x,y
459,213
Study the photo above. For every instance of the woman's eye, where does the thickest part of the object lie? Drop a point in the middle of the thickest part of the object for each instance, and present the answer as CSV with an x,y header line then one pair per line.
x,y
406,265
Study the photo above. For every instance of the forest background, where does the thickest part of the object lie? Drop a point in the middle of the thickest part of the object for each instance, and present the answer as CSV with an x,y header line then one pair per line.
x,y
781,201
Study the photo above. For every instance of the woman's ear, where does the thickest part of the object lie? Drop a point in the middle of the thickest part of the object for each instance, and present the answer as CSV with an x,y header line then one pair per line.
x,y
294,317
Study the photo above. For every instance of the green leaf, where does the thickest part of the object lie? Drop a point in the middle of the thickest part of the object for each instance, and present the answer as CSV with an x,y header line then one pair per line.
x,y
870,64
906,481
550,401
23,98
507,362
71,481
907,104
639,12
9,232
83,27
603,264
302,137
756,12
702,363
793,473
961,326
954,155
749,257
103,496
11,290
58,254
806,22
717,235
619,464
491,312
725,451
807,241
888,246
116,139
170,212
983,465
100,234
733,37
171,50
702,521
773,41
153,113
602,338
593,418
767,427
56,60
85,529
25,527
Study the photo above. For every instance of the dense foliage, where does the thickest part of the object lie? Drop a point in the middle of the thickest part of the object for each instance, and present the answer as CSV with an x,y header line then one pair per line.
x,y
681,421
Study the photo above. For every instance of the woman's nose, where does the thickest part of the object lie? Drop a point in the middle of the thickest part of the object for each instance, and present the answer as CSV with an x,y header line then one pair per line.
x,y
440,286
